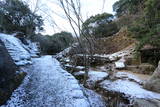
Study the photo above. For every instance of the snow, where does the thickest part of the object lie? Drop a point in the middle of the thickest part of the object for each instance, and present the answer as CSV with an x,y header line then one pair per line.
x,y
95,99
20,53
115,56
94,76
79,73
80,67
128,76
63,53
16,49
93,25
32,48
130,89
119,65
48,85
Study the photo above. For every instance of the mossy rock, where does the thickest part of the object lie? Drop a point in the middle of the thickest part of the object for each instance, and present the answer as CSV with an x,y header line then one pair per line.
x,y
154,82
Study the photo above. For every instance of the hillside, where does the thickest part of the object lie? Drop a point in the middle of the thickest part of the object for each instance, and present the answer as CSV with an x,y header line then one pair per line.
x,y
115,43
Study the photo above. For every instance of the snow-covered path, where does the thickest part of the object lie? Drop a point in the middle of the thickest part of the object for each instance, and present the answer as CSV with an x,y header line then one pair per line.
x,y
48,85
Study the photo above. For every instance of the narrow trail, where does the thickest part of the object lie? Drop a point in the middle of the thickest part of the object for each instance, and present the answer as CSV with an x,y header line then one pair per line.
x,y
48,85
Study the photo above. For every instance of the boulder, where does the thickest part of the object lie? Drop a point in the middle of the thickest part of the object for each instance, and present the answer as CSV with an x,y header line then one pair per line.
x,y
146,68
146,103
154,82
9,77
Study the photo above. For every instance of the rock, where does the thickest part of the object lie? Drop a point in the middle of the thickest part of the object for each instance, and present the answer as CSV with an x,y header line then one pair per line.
x,y
120,64
93,60
146,68
9,77
73,68
127,76
154,82
143,68
146,103
130,93
79,75
94,77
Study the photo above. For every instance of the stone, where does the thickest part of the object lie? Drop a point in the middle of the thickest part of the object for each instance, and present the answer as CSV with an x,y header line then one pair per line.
x,y
120,64
154,82
7,74
146,103
146,68
92,60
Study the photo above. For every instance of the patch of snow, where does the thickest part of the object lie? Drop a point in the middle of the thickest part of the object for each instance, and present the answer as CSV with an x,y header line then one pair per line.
x,y
103,68
79,73
80,67
68,65
67,60
65,51
94,76
116,55
16,49
119,65
128,76
119,54
130,89
95,99
32,48
93,25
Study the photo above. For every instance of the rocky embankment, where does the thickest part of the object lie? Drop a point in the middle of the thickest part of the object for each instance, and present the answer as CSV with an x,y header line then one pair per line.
x,y
112,77
7,74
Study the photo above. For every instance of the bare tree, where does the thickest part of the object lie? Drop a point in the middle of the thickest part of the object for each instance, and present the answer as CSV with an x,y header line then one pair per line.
x,y
72,11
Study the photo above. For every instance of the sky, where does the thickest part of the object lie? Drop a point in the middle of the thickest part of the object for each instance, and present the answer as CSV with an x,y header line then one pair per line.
x,y
54,17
